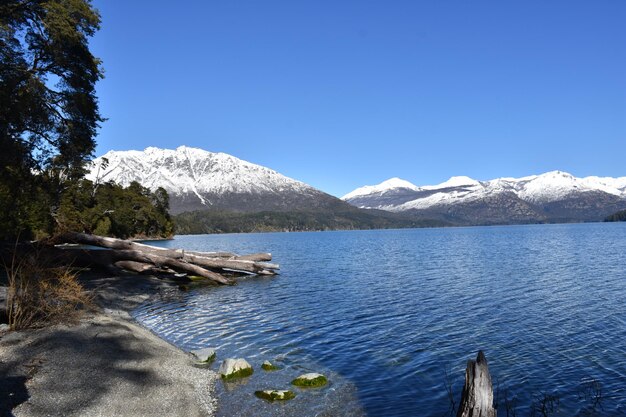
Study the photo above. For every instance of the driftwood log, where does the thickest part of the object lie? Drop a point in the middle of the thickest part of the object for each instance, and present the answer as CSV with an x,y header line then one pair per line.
x,y
113,243
142,268
146,259
477,396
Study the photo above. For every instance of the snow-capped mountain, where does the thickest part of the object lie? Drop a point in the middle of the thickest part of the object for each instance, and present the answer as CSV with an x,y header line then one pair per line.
x,y
553,196
197,179
390,184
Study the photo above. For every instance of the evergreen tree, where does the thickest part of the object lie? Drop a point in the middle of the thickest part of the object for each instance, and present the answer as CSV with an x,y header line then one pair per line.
x,y
112,210
48,107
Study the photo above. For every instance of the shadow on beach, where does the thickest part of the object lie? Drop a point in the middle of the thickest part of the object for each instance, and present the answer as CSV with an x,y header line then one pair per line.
x,y
104,365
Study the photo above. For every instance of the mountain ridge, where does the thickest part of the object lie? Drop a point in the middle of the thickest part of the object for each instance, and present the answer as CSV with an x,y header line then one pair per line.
x,y
197,179
552,196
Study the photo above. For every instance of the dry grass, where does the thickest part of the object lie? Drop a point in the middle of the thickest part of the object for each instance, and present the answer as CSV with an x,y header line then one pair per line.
x,y
39,295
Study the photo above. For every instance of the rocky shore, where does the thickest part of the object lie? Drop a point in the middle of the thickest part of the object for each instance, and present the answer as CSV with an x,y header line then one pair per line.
x,y
105,365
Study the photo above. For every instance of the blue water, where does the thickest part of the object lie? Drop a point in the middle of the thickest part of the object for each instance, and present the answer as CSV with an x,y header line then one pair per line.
x,y
388,314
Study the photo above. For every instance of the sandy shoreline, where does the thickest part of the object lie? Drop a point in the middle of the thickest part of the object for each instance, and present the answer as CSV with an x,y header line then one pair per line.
x,y
107,365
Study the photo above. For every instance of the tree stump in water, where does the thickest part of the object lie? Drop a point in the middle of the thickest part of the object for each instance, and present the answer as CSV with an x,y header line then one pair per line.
x,y
477,397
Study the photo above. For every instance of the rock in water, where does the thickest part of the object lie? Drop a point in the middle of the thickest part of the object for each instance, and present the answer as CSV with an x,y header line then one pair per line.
x,y
477,397
310,380
275,395
269,366
205,355
235,368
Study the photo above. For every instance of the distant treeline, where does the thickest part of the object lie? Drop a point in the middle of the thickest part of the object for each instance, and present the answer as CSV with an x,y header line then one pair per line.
x,y
198,222
620,216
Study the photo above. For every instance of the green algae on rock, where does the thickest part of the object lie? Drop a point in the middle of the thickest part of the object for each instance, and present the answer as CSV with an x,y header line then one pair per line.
x,y
269,366
235,368
275,395
310,380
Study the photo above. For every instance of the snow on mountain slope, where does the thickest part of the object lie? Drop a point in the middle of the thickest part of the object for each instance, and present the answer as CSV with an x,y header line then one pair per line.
x,y
460,181
390,184
541,189
200,178
551,186
191,169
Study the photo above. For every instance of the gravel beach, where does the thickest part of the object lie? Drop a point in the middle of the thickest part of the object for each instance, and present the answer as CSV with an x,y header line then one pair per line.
x,y
106,365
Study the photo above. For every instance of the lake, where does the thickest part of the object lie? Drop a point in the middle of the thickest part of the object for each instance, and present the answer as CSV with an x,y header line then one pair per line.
x,y
392,316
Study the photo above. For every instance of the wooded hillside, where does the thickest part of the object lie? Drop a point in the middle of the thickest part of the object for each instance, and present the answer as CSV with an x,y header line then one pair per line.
x,y
207,221
620,216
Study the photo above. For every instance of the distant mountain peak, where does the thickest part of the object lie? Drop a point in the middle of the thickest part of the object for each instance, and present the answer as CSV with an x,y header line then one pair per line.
x,y
559,173
396,182
390,184
457,181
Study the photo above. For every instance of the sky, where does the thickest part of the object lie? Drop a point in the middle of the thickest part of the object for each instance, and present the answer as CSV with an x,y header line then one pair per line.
x,y
340,94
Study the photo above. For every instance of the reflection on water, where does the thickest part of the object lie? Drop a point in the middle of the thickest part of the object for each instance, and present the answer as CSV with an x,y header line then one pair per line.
x,y
386,313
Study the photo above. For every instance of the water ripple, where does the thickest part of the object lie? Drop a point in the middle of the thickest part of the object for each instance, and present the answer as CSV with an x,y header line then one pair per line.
x,y
388,313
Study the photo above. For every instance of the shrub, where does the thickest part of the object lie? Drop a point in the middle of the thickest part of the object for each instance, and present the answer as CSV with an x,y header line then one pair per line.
x,y
39,295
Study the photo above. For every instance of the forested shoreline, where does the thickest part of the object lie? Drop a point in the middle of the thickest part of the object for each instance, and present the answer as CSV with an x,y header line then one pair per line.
x,y
620,216
216,221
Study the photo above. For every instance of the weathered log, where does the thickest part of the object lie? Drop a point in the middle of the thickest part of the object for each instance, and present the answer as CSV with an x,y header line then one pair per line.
x,y
234,264
212,254
218,260
108,258
175,264
477,396
204,264
121,244
146,269
142,268
257,257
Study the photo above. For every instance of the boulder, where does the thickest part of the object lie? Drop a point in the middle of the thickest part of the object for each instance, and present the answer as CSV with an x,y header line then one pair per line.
x,y
269,366
206,355
235,368
310,380
275,395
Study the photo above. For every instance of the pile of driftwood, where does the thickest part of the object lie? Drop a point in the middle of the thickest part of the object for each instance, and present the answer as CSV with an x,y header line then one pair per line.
x,y
216,267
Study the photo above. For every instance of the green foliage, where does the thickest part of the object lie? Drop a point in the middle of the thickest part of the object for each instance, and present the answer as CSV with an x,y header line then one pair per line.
x,y
198,222
48,108
620,216
112,210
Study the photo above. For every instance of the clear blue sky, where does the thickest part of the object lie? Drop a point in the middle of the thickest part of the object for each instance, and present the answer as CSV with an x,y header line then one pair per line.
x,y
340,94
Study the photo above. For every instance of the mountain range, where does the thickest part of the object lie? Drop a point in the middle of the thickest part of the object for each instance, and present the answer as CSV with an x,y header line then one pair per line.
x,y
551,197
216,192
206,182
